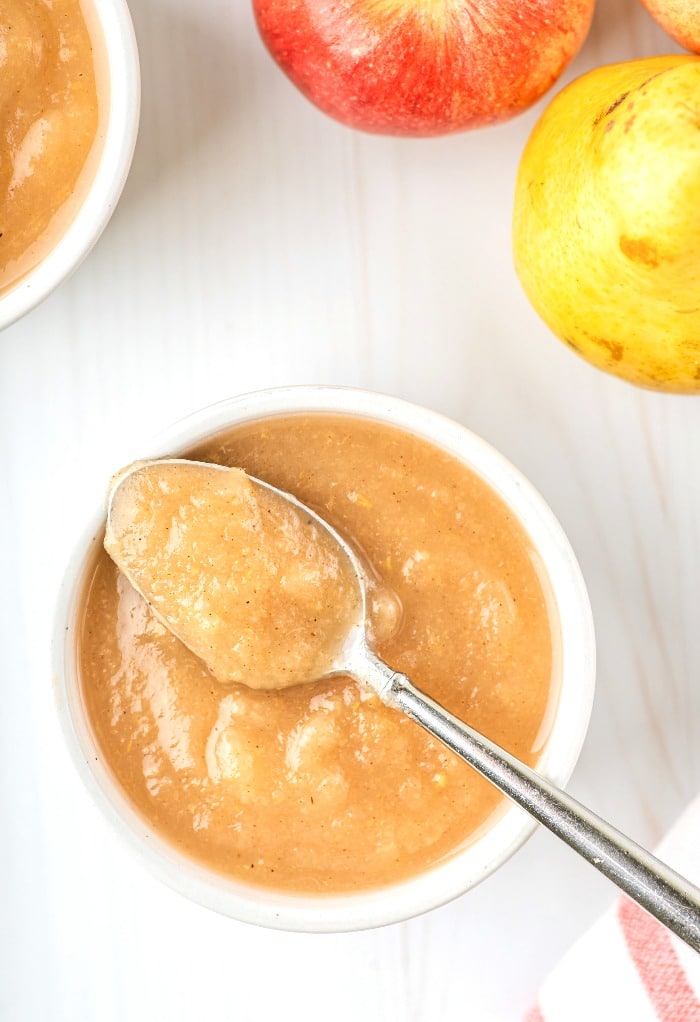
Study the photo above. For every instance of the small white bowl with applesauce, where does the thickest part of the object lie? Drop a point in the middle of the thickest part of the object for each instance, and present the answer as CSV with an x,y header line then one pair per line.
x,y
364,422
77,178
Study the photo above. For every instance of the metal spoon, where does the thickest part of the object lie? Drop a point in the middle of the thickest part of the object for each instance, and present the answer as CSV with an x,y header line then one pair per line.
x,y
672,899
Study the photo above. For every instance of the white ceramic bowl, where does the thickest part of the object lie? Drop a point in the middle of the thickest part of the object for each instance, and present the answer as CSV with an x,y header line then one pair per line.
x,y
468,866
102,180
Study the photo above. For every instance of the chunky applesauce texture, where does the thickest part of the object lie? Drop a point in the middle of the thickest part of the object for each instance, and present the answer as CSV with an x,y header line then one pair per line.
x,y
319,787
255,587
48,125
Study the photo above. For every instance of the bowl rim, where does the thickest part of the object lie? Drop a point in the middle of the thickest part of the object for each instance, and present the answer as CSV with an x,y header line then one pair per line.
x,y
118,40
498,840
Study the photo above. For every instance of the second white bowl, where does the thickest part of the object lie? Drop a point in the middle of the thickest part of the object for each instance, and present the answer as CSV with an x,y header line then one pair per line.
x,y
119,95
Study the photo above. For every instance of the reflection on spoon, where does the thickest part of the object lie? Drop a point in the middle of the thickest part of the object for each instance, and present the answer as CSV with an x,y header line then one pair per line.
x,y
263,590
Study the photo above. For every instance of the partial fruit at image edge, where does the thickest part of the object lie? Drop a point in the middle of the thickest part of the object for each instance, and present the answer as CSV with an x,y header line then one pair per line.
x,y
423,67
606,220
680,18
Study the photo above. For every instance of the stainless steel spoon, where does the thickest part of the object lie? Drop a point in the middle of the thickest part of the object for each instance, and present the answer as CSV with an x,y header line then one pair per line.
x,y
672,899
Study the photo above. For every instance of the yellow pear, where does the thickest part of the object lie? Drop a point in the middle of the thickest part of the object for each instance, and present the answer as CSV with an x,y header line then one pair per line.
x,y
606,224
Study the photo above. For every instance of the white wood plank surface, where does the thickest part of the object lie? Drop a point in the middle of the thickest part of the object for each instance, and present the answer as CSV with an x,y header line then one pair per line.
x,y
258,243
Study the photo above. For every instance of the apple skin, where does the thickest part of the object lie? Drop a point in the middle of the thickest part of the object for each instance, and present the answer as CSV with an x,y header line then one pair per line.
x,y
423,67
680,18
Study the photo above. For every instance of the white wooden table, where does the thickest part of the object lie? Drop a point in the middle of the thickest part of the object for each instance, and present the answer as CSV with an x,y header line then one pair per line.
x,y
258,243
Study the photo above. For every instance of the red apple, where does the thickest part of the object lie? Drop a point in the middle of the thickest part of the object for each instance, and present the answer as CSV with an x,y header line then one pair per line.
x,y
680,18
423,67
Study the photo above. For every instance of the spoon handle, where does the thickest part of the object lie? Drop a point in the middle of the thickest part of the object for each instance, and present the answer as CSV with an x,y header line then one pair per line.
x,y
668,896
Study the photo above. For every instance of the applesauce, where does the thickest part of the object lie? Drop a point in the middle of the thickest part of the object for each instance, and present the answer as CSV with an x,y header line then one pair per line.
x,y
248,580
320,787
48,125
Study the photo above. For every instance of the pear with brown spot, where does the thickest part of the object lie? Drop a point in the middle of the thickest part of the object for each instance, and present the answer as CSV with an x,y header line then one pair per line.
x,y
606,224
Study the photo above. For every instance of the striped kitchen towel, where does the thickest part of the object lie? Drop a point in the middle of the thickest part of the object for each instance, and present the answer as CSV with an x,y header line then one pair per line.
x,y
628,967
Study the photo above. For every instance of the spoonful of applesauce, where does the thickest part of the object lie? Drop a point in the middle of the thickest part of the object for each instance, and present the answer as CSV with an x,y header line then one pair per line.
x,y
268,594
